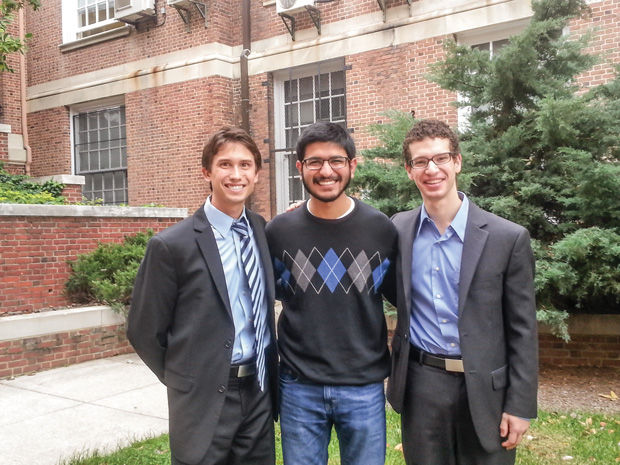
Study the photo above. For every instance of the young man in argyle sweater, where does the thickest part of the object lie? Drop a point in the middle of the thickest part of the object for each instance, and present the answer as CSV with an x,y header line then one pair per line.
x,y
330,258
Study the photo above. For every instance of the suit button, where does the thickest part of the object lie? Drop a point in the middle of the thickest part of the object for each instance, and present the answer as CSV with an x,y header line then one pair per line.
x,y
228,344
221,389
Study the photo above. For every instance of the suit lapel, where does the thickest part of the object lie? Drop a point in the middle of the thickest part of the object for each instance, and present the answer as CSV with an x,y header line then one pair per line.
x,y
475,239
406,234
210,252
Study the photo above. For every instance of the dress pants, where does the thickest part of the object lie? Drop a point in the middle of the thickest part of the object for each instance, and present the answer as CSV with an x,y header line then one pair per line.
x,y
437,427
245,430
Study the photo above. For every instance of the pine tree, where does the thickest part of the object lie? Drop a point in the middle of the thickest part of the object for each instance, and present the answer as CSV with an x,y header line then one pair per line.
x,y
540,151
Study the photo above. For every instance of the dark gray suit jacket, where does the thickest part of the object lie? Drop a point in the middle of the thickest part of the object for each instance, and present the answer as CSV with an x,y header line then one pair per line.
x,y
497,320
180,323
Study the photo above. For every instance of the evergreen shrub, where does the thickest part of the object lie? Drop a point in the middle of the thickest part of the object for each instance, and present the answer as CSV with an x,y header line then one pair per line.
x,y
106,275
19,189
538,149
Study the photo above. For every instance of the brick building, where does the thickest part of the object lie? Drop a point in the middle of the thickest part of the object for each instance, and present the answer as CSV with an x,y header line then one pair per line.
x,y
129,104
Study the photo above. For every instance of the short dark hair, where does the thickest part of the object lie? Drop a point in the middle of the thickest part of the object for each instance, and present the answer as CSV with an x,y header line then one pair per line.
x,y
430,128
229,134
324,131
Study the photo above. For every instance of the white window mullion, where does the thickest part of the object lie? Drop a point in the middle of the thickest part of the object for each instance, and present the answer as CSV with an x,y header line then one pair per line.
x,y
286,135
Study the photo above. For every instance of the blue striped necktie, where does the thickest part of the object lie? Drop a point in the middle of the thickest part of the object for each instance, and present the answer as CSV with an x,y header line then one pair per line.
x,y
255,282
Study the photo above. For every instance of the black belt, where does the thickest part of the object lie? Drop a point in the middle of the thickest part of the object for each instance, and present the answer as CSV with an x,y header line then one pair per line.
x,y
241,371
445,363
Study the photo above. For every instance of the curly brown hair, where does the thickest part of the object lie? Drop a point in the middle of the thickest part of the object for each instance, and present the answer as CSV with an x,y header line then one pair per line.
x,y
429,128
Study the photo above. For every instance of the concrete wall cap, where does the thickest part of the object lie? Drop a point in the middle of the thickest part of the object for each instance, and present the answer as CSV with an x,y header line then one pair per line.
x,y
57,321
10,209
62,178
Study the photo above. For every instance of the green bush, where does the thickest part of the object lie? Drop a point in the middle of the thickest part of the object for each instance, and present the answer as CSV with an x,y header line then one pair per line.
x,y
538,149
19,189
106,275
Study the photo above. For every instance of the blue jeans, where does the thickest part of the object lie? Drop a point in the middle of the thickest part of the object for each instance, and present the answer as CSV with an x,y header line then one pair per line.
x,y
308,412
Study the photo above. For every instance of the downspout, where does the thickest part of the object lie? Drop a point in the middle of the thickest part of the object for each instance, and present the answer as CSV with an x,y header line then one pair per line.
x,y
243,63
22,70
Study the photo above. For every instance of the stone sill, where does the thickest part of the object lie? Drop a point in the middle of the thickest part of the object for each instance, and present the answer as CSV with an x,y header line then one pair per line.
x,y
95,39
57,321
10,209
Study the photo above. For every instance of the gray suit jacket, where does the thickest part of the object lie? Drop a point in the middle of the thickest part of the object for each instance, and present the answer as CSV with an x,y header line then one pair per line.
x,y
180,323
497,320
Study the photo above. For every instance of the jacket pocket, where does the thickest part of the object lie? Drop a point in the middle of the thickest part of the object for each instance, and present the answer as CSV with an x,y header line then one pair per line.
x,y
499,378
178,382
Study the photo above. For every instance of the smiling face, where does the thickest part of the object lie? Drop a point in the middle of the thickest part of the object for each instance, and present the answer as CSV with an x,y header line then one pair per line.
x,y
437,183
233,174
326,184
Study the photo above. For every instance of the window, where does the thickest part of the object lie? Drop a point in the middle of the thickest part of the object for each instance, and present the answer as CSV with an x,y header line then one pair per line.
x,y
84,18
487,39
492,46
95,16
303,96
101,154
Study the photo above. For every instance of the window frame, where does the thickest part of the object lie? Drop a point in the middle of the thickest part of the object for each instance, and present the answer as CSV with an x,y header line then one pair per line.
x,y
282,151
88,107
490,34
70,29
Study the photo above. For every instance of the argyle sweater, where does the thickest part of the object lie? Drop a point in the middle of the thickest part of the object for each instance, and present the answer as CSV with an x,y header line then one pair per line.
x,y
329,276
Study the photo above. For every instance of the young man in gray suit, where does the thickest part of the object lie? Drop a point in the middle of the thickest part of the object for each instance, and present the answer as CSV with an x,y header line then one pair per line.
x,y
202,318
464,367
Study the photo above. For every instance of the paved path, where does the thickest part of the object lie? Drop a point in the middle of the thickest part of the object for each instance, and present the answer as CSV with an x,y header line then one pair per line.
x,y
102,404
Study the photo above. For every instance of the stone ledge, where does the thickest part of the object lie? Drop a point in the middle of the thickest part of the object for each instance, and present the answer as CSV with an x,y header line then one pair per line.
x,y
57,321
590,324
10,209
95,39
61,178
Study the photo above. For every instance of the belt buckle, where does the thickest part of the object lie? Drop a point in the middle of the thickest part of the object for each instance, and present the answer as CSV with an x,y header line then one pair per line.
x,y
244,370
454,365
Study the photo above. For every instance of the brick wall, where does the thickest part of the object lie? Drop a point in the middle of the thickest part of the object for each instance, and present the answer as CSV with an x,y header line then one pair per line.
x,y
47,62
261,100
10,104
604,23
582,350
167,128
394,78
23,356
595,341
4,147
50,141
72,193
34,251
10,93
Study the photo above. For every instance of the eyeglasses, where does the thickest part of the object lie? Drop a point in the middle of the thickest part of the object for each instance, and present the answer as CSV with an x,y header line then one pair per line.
x,y
315,164
420,163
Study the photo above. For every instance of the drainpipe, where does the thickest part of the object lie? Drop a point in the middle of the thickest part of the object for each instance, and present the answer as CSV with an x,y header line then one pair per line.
x,y
243,62
22,70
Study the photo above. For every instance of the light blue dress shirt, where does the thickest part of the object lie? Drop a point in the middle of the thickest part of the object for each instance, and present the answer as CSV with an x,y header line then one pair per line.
x,y
435,270
239,295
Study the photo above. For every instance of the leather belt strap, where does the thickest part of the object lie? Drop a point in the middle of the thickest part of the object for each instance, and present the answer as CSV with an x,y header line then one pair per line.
x,y
241,371
449,364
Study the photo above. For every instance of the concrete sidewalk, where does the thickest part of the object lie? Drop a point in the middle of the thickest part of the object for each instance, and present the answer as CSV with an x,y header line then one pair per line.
x,y
102,404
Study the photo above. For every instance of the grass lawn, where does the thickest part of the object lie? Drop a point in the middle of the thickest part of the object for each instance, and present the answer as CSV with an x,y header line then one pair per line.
x,y
552,438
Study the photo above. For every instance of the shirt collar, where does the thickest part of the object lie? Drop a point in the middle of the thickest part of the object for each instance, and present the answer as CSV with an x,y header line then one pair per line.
x,y
219,220
458,224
